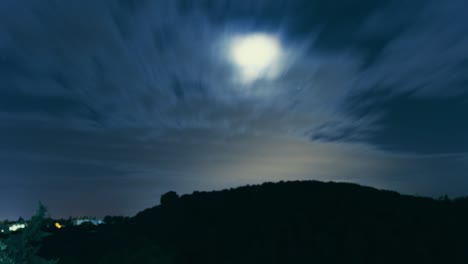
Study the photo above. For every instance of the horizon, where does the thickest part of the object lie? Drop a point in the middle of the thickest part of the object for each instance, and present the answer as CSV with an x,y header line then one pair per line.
x,y
106,105
51,216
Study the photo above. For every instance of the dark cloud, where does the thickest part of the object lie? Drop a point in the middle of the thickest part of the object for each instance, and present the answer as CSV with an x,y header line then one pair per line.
x,y
413,124
413,90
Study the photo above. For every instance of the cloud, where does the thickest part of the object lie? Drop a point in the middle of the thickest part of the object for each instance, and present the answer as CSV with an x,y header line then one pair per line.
x,y
163,65
427,56
142,94
415,124
121,171
411,90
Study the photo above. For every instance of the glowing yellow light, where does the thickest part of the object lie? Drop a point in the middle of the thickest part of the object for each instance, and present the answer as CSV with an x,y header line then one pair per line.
x,y
58,225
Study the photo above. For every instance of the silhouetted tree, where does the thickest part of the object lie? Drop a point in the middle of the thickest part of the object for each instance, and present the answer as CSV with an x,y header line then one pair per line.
x,y
112,220
22,247
169,198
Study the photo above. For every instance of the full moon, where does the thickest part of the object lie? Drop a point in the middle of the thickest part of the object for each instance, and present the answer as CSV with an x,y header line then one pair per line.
x,y
255,54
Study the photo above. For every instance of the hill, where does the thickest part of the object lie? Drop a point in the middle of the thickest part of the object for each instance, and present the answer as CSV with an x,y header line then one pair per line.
x,y
286,222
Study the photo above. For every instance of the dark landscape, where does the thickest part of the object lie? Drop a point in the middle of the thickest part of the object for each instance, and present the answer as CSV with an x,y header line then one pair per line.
x,y
286,222
252,131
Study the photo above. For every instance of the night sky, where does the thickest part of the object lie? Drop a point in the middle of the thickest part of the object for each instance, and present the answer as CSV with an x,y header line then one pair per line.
x,y
105,105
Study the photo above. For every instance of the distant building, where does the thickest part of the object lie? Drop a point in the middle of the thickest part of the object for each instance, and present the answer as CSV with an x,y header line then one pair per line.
x,y
16,227
93,221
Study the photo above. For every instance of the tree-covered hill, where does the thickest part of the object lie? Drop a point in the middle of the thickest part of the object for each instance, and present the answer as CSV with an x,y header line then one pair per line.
x,y
286,222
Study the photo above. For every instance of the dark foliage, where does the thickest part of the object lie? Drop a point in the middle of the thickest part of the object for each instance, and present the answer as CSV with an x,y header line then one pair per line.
x,y
169,198
287,222
115,219
21,247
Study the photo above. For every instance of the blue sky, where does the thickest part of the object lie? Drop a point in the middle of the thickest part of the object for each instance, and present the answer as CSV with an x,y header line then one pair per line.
x,y
105,105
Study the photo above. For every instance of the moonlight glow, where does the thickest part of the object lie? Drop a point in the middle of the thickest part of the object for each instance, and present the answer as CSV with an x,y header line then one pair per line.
x,y
255,54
